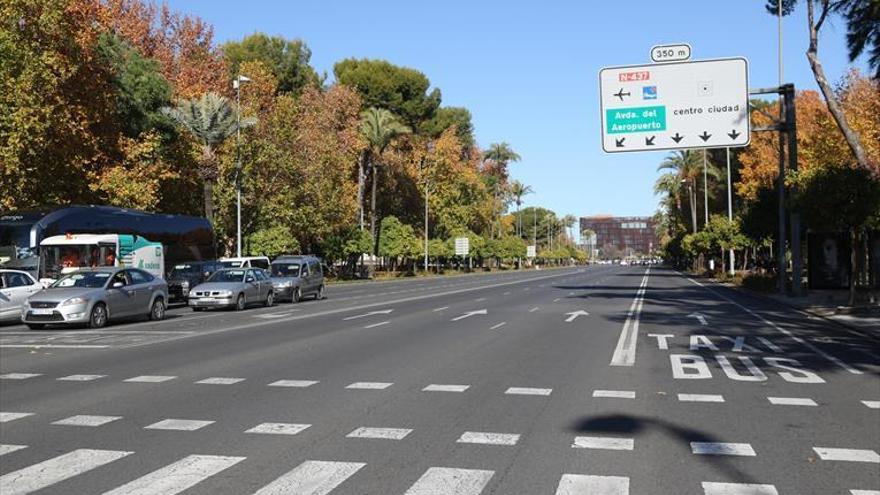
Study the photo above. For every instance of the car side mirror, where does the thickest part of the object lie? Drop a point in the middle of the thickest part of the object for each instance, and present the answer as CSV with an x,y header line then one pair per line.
x,y
118,285
249,280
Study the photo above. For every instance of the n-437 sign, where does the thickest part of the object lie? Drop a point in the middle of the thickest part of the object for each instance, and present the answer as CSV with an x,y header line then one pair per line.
x,y
696,104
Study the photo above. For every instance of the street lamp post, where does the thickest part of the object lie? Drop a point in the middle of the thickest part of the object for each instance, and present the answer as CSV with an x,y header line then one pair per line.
x,y
236,84
430,149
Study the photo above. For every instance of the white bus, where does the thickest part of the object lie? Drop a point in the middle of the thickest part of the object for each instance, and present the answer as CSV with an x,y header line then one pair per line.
x,y
62,254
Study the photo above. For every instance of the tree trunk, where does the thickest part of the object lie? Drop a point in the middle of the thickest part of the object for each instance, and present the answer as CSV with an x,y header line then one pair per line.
x,y
209,200
853,269
373,212
361,180
692,198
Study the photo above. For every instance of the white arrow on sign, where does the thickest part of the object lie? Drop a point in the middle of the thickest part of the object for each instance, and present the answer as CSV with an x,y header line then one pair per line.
x,y
371,313
469,314
575,314
698,316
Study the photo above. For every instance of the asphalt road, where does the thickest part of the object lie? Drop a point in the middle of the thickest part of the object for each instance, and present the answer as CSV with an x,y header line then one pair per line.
x,y
599,380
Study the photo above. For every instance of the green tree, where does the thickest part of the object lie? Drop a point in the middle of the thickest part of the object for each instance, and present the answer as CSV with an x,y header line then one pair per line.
x,y
398,240
210,119
400,90
518,190
272,242
287,59
500,155
685,168
379,127
447,117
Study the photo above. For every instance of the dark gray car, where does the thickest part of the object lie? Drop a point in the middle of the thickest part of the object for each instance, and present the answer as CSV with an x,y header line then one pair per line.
x,y
295,277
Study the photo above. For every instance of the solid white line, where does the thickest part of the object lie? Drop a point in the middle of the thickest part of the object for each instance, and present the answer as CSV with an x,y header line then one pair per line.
x,y
380,433
722,448
625,352
293,383
615,394
498,325
47,473
19,376
852,455
445,388
556,300
738,489
6,417
864,492
873,404
278,428
700,398
374,325
312,478
178,424
80,378
581,484
488,438
533,310
792,401
440,309
150,379
369,385
52,346
8,449
86,420
607,443
220,381
451,481
792,336
528,391
177,477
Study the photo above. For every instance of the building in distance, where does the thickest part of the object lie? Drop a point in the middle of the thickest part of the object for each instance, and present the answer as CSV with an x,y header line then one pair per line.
x,y
621,237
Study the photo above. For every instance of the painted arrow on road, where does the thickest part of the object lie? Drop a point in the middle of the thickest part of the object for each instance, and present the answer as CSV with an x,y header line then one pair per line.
x,y
470,313
371,313
698,316
574,314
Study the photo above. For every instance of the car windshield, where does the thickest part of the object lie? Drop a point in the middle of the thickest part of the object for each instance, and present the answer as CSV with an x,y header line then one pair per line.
x,y
285,269
185,270
231,264
227,276
91,280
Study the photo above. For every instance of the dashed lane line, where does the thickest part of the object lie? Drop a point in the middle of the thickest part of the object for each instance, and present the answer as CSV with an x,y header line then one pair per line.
x,y
603,443
178,476
581,484
312,478
47,473
722,448
850,455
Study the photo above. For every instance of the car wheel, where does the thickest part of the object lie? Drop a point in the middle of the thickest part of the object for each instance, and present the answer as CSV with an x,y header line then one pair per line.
x,y
240,303
320,294
270,299
98,318
297,295
198,309
157,312
36,326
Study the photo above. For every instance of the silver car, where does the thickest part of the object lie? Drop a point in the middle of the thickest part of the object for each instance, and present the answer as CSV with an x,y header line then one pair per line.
x,y
297,276
233,288
95,296
15,287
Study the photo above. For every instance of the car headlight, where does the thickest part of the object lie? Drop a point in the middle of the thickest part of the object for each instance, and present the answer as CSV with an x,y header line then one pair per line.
x,y
74,301
284,285
224,293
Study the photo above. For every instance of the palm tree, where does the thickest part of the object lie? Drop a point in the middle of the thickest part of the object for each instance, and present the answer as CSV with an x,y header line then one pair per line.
x,y
379,127
210,119
518,190
568,221
500,155
684,167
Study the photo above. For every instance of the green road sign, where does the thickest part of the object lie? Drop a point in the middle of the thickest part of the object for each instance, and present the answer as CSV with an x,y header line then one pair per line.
x,y
635,119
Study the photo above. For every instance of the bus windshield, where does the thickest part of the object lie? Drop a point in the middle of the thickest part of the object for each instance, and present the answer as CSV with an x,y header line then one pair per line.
x,y
55,260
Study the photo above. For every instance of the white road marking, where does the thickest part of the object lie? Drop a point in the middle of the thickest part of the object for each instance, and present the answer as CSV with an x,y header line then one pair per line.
x,y
178,424
293,383
738,489
80,378
177,477
380,433
220,381
700,398
52,346
606,443
488,438
19,376
270,316
371,313
533,310
506,293
278,428
722,448
770,345
498,325
615,394
6,417
864,492
369,385
8,448
625,352
528,391
873,404
445,388
150,379
86,420
468,314
440,309
852,455
312,478
792,401
481,299
451,481
662,339
47,473
581,484
557,299
374,325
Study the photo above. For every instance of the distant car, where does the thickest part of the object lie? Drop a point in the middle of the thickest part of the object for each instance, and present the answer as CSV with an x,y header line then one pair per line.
x,y
185,276
246,262
297,276
15,287
94,296
233,288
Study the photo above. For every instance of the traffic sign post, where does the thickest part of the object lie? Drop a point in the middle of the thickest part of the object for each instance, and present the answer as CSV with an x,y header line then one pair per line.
x,y
677,105
462,246
531,252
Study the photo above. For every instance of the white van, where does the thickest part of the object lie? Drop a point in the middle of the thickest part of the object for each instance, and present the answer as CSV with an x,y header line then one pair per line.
x,y
246,262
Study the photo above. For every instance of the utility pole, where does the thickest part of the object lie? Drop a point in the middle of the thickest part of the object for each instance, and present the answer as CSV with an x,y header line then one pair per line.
x,y
236,83
730,211
705,190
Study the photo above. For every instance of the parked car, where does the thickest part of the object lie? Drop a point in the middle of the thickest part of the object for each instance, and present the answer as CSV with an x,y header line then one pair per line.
x,y
94,296
15,287
185,276
246,262
297,276
233,288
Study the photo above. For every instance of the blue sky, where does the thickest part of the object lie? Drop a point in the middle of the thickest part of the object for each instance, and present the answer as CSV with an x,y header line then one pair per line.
x,y
527,70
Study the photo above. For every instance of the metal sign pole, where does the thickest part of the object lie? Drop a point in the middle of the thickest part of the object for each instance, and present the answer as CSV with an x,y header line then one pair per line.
x,y
731,257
